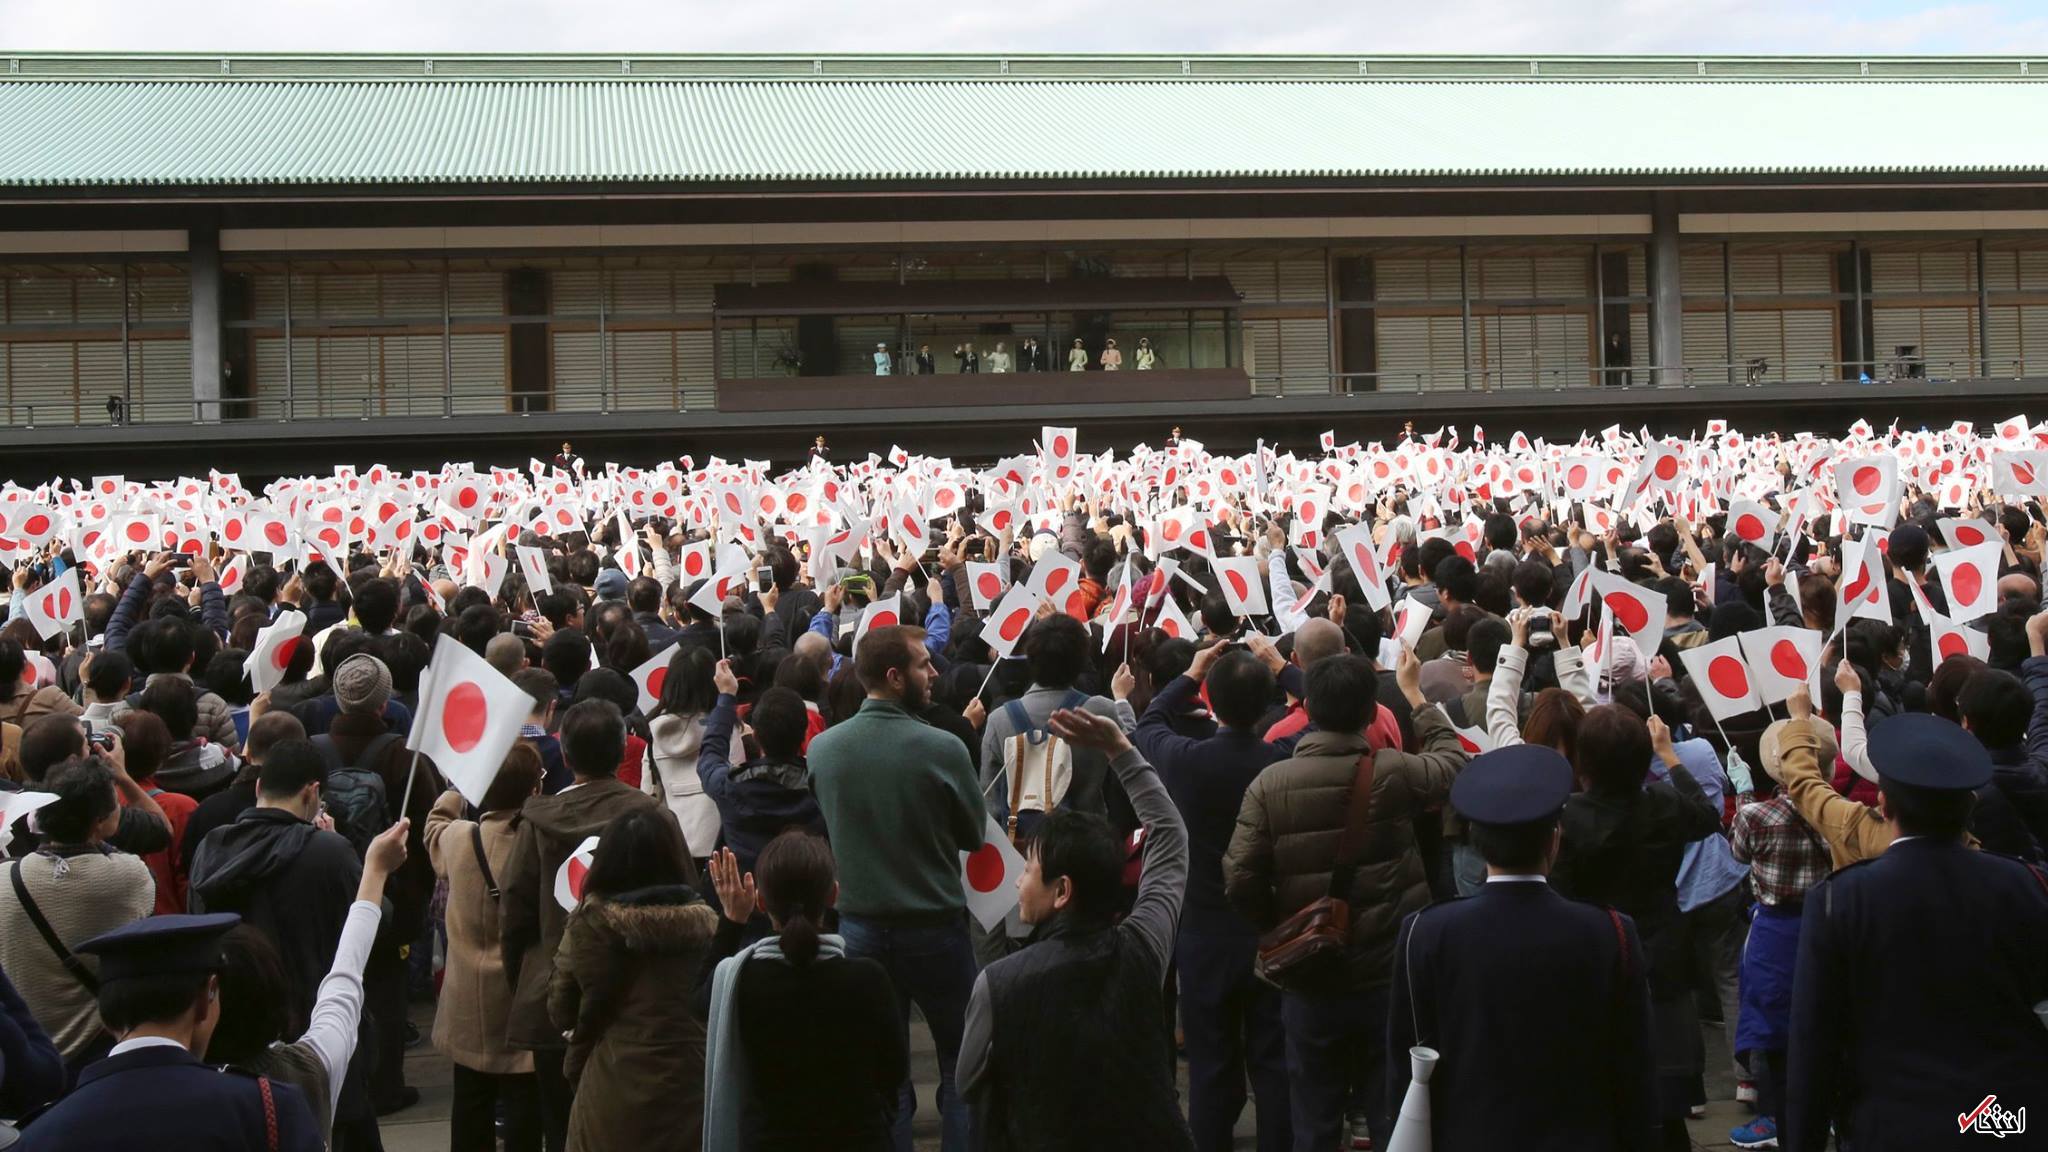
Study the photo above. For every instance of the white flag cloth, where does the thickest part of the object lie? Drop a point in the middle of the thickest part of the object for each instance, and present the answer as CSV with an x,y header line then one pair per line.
x,y
1006,625
469,715
533,564
1238,577
650,677
1356,542
53,607
1172,621
1948,639
272,652
1969,578
878,614
989,876
1056,577
1862,586
985,583
1753,523
1867,489
1722,677
1781,659
1638,611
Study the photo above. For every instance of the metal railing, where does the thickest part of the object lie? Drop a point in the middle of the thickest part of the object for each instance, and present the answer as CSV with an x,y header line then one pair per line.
x,y
698,395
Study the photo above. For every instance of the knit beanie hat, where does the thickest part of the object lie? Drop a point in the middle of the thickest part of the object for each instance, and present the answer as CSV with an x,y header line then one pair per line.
x,y
362,684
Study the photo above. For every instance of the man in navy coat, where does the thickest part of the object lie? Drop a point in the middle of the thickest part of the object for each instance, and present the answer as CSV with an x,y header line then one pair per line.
x,y
1921,971
159,993
1537,1006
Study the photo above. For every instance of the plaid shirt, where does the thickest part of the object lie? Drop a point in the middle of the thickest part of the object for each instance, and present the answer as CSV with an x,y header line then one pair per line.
x,y
1784,854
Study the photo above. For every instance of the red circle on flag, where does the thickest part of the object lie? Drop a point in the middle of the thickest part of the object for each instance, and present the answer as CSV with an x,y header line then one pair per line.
x,y
467,496
655,680
138,532
1866,480
943,497
1854,591
1169,625
985,868
1060,447
1966,536
1056,580
1575,478
464,715
2024,473
1749,527
989,585
232,530
1788,660
1728,677
281,656
797,502
275,532
1952,644
1013,624
1237,584
732,503
1667,467
883,620
1380,469
1628,612
36,525
1969,583
386,511
1170,530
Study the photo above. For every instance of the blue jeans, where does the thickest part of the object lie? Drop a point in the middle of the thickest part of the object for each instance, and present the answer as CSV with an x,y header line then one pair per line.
x,y
931,966
1232,1024
1468,870
1335,1042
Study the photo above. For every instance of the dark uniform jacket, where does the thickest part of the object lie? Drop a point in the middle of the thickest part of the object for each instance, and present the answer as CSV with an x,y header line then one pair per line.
x,y
162,1097
1542,1044
1914,998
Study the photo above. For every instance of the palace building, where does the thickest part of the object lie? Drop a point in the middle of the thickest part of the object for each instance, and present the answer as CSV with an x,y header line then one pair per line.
x,y
416,258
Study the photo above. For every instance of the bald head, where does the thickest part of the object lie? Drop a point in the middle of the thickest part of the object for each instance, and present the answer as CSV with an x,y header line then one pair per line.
x,y
2017,586
1316,639
816,649
506,653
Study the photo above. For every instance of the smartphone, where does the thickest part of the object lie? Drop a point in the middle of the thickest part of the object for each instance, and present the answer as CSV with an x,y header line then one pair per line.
x,y
764,579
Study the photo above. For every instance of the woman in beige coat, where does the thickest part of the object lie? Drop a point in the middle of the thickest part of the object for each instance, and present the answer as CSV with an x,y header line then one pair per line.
x,y
476,999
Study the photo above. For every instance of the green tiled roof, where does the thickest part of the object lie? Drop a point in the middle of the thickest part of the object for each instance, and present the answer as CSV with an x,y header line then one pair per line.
x,y
189,121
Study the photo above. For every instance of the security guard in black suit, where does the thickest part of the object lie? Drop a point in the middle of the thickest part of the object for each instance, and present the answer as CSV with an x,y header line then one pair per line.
x,y
159,992
1538,1006
1921,992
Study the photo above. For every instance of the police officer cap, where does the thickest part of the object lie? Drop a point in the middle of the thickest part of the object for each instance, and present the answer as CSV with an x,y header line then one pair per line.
x,y
161,945
1927,751
1519,784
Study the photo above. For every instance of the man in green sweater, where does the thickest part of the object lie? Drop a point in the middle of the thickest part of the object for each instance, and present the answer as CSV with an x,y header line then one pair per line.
x,y
900,804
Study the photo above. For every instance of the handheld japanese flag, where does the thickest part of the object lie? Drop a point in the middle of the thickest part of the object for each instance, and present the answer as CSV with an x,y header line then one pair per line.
x,y
1473,740
1781,659
1962,533
53,607
989,876
533,564
2020,473
693,562
1056,577
1356,542
1753,523
1722,677
1637,611
1058,446
486,571
233,572
469,716
1948,639
649,678
1867,489
1172,621
569,877
1862,587
1410,622
1243,588
272,653
879,614
1120,605
985,583
1969,578
1012,615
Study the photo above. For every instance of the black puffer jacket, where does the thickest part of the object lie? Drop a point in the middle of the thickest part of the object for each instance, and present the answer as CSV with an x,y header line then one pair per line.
x,y
286,877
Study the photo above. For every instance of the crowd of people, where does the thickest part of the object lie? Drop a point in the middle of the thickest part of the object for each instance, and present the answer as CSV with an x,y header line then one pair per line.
x,y
1395,789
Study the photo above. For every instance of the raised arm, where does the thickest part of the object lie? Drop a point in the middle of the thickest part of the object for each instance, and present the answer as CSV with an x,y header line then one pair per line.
x,y
1163,881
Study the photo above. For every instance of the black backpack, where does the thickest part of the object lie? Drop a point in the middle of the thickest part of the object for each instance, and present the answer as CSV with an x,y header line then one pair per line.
x,y
354,793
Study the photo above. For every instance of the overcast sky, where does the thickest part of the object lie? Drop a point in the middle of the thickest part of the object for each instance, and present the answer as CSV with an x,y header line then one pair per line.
x,y
1592,26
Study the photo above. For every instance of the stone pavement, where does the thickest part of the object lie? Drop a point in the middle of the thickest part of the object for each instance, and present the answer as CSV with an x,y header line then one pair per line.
x,y
424,1127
